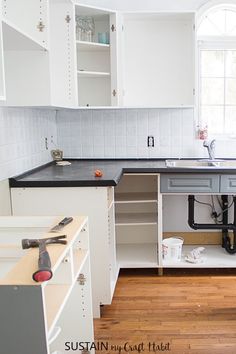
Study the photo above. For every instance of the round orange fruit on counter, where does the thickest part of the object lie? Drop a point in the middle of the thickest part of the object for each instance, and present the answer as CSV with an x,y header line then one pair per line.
x,y
98,173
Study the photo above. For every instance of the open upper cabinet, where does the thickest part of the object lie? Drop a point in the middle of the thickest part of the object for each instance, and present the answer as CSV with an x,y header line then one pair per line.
x,y
97,32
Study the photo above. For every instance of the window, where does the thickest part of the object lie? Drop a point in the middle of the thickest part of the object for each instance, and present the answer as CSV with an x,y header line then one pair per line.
x,y
217,70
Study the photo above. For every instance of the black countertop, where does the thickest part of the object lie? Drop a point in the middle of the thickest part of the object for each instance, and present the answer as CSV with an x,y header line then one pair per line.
x,y
81,172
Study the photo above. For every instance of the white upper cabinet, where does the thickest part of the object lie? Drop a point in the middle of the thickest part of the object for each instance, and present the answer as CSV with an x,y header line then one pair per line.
x,y
40,57
29,17
96,42
65,54
158,60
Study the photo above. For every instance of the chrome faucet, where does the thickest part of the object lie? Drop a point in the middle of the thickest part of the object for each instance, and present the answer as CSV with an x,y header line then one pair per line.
x,y
210,145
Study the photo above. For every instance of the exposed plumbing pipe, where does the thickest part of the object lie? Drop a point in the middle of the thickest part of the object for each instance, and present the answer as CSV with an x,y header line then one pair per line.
x,y
225,226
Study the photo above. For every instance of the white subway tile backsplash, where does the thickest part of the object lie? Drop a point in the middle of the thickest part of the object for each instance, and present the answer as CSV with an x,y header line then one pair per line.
x,y
109,151
120,133
22,139
123,132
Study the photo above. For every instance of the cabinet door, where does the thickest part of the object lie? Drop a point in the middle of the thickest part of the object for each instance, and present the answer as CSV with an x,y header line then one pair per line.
x,y
228,184
2,73
28,17
62,54
189,183
116,25
158,60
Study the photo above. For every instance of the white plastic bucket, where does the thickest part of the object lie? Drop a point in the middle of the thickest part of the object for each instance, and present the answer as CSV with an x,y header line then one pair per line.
x,y
172,248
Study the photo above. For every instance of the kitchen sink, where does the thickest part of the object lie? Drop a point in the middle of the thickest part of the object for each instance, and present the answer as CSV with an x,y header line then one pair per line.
x,y
201,163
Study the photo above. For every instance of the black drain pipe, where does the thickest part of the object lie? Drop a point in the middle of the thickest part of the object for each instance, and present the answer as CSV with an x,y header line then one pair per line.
x,y
225,226
231,249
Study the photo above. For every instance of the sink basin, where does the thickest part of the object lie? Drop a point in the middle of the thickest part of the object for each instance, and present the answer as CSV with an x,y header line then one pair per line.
x,y
201,163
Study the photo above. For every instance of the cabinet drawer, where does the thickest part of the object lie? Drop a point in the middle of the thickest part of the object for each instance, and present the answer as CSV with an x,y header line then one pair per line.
x,y
228,184
190,183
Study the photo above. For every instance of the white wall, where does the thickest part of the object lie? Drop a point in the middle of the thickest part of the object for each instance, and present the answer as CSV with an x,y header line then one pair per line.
x,y
123,133
147,5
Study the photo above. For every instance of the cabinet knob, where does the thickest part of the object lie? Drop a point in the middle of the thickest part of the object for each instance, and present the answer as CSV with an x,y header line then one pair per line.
x,y
114,93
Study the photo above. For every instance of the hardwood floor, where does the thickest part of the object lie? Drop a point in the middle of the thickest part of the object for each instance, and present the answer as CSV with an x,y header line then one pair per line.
x,y
181,313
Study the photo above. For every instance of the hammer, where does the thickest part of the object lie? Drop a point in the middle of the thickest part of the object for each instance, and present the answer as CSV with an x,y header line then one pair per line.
x,y
44,271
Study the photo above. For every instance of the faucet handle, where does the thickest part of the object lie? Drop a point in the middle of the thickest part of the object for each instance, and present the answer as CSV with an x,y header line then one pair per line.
x,y
205,143
209,143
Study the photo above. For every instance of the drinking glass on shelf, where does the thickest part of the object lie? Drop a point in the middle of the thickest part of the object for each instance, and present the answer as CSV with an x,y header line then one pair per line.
x,y
80,30
85,28
90,28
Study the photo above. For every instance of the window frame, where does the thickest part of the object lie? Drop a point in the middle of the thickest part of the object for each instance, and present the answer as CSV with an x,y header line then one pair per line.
x,y
211,43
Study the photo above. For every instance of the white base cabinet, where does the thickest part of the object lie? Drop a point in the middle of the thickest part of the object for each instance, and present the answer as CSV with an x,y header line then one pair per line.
x,y
138,221
98,204
41,318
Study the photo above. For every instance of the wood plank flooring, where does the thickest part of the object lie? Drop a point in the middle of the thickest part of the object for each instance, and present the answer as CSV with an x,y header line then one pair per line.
x,y
180,313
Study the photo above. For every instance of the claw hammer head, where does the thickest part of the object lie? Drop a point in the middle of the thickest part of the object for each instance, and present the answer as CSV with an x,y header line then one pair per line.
x,y
29,243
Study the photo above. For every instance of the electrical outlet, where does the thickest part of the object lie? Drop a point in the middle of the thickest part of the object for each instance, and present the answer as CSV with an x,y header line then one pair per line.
x,y
150,141
46,143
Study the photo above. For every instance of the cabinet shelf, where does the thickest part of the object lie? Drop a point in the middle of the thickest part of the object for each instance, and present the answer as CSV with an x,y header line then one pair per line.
x,y
94,74
136,219
214,256
15,39
136,198
137,255
92,46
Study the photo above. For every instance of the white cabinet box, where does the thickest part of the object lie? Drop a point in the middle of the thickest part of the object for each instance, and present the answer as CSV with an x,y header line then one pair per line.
x,y
97,59
40,318
39,52
98,204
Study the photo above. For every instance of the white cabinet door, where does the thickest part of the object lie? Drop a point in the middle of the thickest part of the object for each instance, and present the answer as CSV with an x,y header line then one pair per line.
x,y
2,74
62,54
29,17
158,60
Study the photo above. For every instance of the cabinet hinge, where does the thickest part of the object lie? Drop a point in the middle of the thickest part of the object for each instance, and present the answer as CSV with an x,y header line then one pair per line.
x,y
41,26
114,93
113,28
122,28
68,18
81,279
194,91
194,26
